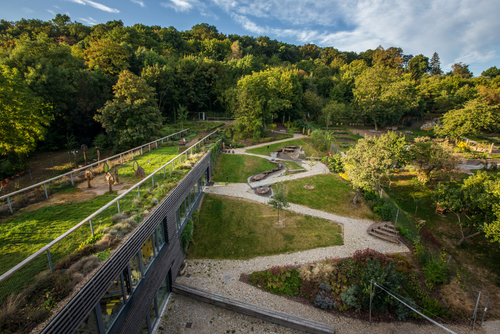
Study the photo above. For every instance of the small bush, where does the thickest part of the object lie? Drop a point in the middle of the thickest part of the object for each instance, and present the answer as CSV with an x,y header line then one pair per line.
x,y
323,302
432,307
336,163
325,287
350,299
280,280
436,271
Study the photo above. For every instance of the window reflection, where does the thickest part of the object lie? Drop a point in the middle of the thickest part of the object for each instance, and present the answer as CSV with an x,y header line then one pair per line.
x,y
89,325
160,235
163,292
112,303
178,218
135,271
147,253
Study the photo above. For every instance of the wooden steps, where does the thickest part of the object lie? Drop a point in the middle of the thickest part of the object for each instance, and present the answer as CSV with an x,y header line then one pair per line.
x,y
280,318
385,231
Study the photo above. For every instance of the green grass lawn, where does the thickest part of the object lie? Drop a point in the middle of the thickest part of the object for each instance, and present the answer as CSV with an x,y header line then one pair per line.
x,y
150,161
290,165
331,194
308,149
239,167
237,229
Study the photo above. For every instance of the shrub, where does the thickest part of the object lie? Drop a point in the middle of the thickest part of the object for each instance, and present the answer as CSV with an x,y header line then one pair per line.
x,y
350,299
325,287
385,209
436,271
432,307
335,163
402,311
280,280
323,302
319,140
364,256
90,240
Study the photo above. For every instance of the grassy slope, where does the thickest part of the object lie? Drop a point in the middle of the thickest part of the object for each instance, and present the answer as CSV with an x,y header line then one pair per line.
x,y
237,229
331,194
265,150
239,167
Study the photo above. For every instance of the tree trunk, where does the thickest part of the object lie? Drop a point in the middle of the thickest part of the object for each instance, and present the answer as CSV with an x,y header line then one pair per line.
x,y
355,199
376,126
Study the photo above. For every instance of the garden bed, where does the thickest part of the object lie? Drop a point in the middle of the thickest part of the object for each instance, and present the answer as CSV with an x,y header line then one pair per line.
x,y
342,286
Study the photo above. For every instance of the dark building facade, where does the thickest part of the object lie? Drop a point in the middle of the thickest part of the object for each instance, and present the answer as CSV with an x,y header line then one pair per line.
x,y
129,291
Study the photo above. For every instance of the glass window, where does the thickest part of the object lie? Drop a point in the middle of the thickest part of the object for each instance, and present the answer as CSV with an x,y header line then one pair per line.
x,y
112,303
89,325
203,178
126,283
163,292
135,271
152,313
147,253
195,189
193,197
178,218
183,211
160,235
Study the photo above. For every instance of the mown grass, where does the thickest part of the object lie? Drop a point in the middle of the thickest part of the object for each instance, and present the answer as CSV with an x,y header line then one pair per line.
x,y
308,149
239,167
26,233
330,194
290,165
237,229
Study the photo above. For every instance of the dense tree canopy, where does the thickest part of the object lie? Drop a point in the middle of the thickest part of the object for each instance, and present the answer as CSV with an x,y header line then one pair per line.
x,y
72,68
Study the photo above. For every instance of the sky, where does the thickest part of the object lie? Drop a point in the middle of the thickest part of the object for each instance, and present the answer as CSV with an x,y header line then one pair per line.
x,y
466,31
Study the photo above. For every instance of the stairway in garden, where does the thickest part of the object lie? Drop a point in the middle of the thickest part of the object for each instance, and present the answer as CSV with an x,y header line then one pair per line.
x,y
385,231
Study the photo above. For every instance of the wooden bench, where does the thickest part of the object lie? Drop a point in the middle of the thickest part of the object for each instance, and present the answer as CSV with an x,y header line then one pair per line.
x,y
440,210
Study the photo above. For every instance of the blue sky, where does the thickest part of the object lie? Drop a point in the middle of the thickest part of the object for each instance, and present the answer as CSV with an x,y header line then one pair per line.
x,y
465,31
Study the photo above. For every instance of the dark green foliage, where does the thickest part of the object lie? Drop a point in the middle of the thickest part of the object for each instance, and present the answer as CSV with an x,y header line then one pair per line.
x,y
319,140
436,271
279,280
349,297
325,287
187,235
336,163
432,307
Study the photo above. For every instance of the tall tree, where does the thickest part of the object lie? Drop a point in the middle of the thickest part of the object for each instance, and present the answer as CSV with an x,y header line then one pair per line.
x,y
435,64
461,70
132,117
419,65
382,96
23,116
432,156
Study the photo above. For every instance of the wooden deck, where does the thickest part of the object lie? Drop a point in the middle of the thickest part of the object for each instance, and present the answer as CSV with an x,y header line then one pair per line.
x,y
255,311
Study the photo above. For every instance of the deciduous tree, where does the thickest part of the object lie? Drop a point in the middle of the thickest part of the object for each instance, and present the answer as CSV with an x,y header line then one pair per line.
x,y
132,117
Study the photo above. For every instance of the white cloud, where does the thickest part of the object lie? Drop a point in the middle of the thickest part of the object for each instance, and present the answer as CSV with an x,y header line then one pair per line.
x,y
466,30
182,5
96,5
140,3
89,20
27,10
51,12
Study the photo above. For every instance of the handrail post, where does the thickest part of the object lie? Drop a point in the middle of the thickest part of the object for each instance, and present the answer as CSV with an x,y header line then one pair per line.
x,y
45,188
10,205
139,191
132,152
72,182
91,227
50,262
118,203
164,173
149,148
153,180
141,150
121,159
156,144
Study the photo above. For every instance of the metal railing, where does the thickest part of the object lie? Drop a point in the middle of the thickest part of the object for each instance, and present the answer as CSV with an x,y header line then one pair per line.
x,y
136,187
81,169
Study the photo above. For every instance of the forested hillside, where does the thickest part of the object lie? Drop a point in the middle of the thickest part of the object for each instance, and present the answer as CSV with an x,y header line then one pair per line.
x,y
56,75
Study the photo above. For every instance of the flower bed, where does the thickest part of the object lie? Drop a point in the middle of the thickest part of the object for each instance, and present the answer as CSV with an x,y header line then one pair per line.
x,y
343,285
